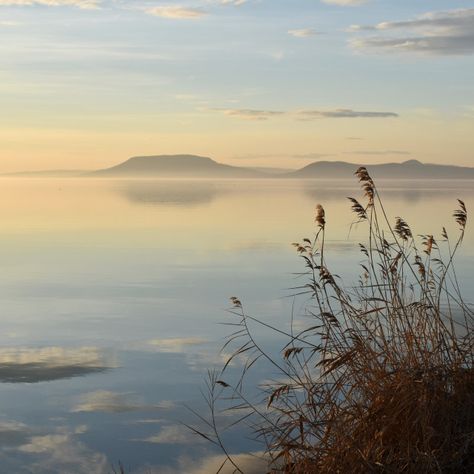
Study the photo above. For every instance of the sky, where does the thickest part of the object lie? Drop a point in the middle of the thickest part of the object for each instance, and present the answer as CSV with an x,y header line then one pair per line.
x,y
85,84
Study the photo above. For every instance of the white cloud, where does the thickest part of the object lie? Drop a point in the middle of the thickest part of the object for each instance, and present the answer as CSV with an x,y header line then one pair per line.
x,y
345,3
236,3
113,402
177,13
438,33
13,433
177,344
61,452
83,4
252,114
51,363
303,33
175,434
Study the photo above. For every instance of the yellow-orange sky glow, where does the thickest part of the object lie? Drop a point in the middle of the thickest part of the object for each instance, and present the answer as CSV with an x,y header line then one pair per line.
x,y
87,84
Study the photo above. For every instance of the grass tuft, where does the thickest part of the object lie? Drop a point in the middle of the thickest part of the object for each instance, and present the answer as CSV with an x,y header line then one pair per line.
x,y
383,381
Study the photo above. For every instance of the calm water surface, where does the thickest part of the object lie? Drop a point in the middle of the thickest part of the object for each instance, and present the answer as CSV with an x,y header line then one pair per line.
x,y
112,293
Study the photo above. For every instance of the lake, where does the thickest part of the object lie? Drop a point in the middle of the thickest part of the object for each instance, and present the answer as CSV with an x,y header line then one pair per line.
x,y
112,293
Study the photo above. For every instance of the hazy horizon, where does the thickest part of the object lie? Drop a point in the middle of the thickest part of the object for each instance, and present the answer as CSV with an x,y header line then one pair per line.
x,y
269,170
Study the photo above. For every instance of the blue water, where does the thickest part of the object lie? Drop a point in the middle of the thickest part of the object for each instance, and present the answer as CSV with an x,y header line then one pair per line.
x,y
112,293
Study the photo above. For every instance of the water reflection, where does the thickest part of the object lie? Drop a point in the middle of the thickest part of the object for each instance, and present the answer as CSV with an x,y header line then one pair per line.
x,y
407,192
25,449
107,401
96,271
170,193
24,365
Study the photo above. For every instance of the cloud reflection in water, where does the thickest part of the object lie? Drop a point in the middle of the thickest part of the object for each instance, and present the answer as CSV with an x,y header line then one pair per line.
x,y
32,365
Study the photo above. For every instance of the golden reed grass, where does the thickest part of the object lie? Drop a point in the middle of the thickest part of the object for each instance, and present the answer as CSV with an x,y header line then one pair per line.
x,y
383,381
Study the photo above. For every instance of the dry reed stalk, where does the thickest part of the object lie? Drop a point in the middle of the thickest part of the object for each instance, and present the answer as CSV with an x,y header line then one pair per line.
x,y
383,381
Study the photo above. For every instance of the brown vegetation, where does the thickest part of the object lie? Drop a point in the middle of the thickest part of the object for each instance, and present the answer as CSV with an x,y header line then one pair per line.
x,y
383,381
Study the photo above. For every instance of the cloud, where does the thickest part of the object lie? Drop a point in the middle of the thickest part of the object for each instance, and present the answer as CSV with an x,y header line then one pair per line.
x,y
305,114
236,3
436,33
113,402
27,365
378,152
343,113
345,3
253,463
311,156
13,433
252,114
61,452
45,452
174,434
83,4
303,33
304,156
177,13
177,344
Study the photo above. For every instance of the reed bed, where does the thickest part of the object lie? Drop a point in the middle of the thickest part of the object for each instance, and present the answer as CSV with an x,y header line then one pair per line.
x,y
383,380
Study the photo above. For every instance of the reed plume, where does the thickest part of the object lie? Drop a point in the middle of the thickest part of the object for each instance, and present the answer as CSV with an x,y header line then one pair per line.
x,y
383,380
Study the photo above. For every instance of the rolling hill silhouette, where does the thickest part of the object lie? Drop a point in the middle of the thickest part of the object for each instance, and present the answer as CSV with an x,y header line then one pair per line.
x,y
176,166
411,169
193,166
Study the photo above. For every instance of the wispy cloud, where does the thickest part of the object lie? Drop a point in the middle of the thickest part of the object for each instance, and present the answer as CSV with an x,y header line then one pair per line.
x,y
345,3
344,113
13,433
304,156
177,344
174,434
303,32
305,114
378,152
177,13
252,114
311,156
236,3
114,402
83,4
62,452
437,33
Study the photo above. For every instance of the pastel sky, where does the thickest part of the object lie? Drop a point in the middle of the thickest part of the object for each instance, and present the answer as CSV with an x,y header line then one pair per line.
x,y
88,83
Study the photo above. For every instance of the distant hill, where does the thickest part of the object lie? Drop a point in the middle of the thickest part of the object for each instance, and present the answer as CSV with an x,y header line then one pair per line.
x,y
411,169
193,166
176,166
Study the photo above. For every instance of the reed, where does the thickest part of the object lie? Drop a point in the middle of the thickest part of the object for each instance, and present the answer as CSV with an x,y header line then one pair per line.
x,y
383,380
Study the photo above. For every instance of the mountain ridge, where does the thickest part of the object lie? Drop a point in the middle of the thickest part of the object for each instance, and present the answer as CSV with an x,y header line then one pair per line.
x,y
410,169
189,166
184,166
